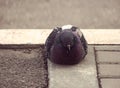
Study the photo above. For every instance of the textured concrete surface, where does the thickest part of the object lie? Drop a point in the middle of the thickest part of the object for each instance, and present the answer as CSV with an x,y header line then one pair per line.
x,y
109,70
51,13
82,75
108,56
22,68
23,36
110,83
33,36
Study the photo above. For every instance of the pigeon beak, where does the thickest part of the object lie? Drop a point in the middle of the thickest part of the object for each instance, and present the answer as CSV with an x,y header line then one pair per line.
x,y
69,47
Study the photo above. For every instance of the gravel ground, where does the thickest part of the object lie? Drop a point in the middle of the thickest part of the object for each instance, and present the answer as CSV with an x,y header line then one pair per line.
x,y
23,68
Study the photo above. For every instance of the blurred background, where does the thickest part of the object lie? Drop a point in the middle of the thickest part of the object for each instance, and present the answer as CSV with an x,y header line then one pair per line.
x,y
86,14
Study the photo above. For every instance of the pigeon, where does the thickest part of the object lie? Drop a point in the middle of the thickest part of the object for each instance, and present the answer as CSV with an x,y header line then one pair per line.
x,y
66,45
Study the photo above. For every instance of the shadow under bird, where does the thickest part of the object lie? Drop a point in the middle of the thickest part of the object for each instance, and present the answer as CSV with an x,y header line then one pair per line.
x,y
66,45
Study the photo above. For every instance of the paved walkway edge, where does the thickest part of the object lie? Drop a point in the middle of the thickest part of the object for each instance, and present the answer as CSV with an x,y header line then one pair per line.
x,y
82,75
38,36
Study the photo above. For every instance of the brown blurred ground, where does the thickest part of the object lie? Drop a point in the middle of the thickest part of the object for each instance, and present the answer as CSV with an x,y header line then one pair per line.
x,y
23,68
51,13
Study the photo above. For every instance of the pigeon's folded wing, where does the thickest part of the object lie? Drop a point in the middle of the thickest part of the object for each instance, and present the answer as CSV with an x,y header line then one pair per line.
x,y
50,40
84,43
82,38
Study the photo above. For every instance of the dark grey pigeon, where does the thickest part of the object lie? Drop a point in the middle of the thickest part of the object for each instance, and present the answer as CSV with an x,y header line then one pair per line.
x,y
66,45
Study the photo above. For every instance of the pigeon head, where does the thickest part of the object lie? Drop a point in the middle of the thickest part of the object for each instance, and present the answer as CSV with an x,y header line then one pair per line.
x,y
67,40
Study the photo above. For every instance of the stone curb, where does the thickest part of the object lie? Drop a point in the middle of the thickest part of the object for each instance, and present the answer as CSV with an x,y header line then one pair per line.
x,y
38,36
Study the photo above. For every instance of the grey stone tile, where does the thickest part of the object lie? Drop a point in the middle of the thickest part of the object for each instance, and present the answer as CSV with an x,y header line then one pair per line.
x,y
108,56
109,70
110,83
82,75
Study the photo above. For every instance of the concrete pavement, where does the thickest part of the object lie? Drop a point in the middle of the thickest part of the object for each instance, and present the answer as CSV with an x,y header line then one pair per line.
x,y
108,64
51,13
82,75
100,69
105,73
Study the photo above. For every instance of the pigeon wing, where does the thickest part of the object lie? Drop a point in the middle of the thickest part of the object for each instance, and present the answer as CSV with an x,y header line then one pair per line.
x,y
81,36
84,43
51,38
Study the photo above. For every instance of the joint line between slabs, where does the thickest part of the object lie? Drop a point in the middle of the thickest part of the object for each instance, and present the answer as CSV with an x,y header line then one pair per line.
x,y
99,81
109,77
108,50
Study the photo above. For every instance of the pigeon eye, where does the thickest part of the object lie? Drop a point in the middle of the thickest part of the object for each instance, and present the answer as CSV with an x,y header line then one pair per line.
x,y
74,28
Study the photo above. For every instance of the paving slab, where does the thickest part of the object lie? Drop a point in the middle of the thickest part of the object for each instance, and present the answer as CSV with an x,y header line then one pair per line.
x,y
108,63
109,70
110,83
108,56
82,75
23,68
